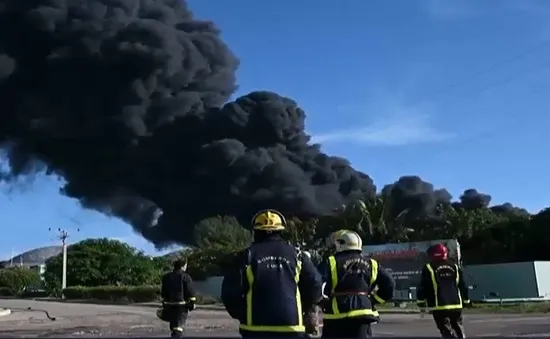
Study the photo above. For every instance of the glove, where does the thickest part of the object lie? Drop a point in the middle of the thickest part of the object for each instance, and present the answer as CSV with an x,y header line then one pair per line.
x,y
191,306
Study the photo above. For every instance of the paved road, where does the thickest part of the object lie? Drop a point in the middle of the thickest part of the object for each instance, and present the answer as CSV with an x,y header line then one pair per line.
x,y
84,320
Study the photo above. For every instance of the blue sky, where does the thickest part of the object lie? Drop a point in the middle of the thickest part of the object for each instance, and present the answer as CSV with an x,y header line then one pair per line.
x,y
453,91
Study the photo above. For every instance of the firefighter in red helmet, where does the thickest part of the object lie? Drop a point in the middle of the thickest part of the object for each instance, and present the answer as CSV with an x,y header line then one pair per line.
x,y
444,292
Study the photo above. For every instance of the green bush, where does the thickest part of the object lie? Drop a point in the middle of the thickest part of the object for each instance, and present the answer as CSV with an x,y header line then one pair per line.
x,y
14,280
118,294
102,262
6,292
123,294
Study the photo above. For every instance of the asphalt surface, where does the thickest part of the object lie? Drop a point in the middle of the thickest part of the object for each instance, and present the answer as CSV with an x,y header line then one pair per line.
x,y
85,320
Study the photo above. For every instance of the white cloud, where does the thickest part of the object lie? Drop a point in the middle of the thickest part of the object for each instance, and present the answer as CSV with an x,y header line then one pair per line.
x,y
400,130
447,9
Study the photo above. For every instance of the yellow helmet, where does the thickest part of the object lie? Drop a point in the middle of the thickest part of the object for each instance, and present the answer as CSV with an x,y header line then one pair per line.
x,y
346,240
268,220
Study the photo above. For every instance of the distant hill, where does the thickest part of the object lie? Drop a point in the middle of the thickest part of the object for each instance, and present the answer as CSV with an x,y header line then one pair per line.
x,y
38,256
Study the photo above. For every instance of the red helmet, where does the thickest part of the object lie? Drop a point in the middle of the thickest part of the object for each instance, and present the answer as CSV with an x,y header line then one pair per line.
x,y
438,252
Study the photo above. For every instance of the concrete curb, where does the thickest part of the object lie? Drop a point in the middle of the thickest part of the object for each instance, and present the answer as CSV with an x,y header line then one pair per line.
x,y
4,312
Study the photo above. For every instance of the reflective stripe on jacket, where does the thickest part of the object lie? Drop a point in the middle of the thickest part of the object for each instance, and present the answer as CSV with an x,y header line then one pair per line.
x,y
273,302
442,287
357,303
249,324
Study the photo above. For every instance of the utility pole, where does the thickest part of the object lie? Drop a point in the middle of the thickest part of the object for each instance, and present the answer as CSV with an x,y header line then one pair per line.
x,y
63,235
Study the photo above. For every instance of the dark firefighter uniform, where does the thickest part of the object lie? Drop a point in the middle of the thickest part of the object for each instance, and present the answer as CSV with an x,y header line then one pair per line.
x,y
271,283
354,285
178,297
444,292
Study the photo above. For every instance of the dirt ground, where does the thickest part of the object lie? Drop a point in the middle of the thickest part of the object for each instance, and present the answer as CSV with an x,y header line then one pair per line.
x,y
85,320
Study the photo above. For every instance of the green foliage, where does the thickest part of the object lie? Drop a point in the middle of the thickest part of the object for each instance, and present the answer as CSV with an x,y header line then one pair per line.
x,y
14,280
163,263
221,232
487,235
217,241
302,233
100,262
209,262
117,294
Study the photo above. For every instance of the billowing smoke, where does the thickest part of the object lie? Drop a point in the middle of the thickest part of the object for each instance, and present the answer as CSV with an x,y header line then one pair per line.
x,y
472,199
415,196
125,100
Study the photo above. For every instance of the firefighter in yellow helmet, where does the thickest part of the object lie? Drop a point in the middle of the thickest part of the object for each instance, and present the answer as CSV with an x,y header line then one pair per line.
x,y
353,285
270,283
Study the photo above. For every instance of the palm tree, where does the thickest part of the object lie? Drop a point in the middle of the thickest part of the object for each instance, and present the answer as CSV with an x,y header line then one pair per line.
x,y
376,220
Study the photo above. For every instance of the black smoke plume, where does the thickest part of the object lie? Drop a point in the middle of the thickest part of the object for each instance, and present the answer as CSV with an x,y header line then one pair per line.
x,y
415,196
471,199
125,100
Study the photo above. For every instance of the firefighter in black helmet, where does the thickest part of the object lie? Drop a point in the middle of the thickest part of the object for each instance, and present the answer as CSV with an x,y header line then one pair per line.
x,y
178,297
270,283
354,285
444,292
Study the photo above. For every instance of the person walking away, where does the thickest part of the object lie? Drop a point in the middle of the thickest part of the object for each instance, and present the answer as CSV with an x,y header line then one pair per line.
x,y
178,297
354,285
270,283
444,292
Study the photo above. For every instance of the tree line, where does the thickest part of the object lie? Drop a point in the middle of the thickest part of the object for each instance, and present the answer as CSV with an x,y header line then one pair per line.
x,y
408,210
487,235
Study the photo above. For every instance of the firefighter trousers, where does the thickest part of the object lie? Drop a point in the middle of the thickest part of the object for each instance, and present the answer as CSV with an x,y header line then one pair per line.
x,y
449,323
347,328
177,317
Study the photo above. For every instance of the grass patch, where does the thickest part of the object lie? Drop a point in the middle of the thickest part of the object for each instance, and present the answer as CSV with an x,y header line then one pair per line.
x,y
535,307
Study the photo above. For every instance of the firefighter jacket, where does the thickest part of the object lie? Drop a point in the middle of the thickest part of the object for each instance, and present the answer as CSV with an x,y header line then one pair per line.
x,y
267,285
442,287
354,284
177,288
